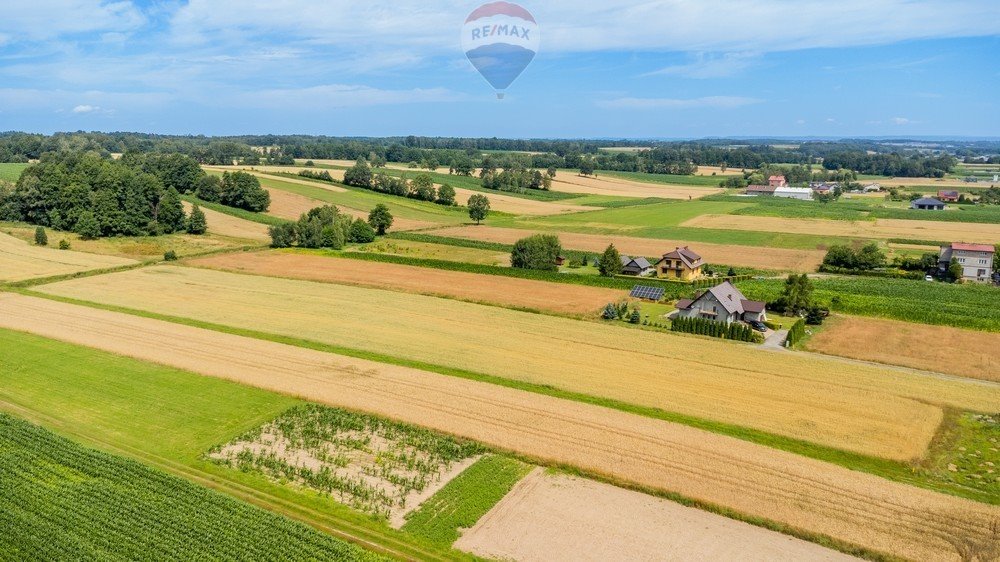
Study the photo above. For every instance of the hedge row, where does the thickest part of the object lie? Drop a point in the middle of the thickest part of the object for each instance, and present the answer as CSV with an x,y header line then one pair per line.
x,y
797,332
882,273
704,327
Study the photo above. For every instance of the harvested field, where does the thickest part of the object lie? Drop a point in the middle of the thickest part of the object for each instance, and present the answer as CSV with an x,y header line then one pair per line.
x,y
803,493
627,188
722,254
871,410
20,260
880,228
287,205
716,170
965,353
432,251
260,172
491,289
555,517
234,227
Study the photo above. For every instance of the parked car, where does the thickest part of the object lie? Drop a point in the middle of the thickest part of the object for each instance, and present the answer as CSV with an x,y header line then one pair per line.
x,y
928,277
759,326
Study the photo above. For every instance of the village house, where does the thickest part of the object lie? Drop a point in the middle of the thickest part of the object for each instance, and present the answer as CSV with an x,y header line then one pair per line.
x,y
723,303
682,263
801,193
872,187
928,204
777,181
758,190
823,188
636,266
948,196
976,260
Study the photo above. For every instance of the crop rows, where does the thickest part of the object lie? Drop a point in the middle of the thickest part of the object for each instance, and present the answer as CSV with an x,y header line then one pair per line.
x,y
62,501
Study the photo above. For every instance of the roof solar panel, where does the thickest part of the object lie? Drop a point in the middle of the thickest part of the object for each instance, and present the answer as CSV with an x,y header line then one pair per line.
x,y
647,293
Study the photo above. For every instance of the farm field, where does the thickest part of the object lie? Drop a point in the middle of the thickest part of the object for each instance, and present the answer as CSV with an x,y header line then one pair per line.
x,y
233,227
491,289
11,171
430,250
879,228
607,184
962,306
783,259
964,353
64,501
851,506
20,260
869,410
564,518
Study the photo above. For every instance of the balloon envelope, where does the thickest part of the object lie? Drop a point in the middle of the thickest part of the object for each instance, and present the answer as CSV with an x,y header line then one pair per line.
x,y
500,39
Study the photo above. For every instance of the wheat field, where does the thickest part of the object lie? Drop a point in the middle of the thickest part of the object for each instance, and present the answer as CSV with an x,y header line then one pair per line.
x,y
859,408
20,260
795,491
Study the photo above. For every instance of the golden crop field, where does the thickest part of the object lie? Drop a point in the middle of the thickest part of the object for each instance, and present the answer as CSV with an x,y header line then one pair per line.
x,y
730,254
433,251
570,183
473,287
867,409
234,227
20,260
965,353
880,228
799,492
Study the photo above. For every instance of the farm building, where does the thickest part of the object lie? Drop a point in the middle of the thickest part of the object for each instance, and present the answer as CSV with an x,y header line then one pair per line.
x,y
561,261
636,266
757,190
777,181
802,193
723,303
823,188
927,204
872,187
682,263
976,260
948,196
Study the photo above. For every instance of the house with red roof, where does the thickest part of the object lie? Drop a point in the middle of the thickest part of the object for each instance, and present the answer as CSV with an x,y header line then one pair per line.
x,y
948,196
976,260
777,181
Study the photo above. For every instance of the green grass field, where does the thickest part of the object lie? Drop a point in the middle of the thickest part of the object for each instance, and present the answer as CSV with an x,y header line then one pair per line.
x,y
857,209
963,306
10,172
670,179
167,418
464,500
63,501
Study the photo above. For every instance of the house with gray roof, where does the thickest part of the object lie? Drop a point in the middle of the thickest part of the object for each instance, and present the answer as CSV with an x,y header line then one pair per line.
x,y
636,266
723,303
927,204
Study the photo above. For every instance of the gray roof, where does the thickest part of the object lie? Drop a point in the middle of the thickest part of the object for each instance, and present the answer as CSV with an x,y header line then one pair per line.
x,y
732,299
642,263
928,201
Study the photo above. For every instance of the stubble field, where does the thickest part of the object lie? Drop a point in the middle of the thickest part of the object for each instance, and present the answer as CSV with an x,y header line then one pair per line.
x,y
799,492
504,291
865,409
964,353
20,260
725,254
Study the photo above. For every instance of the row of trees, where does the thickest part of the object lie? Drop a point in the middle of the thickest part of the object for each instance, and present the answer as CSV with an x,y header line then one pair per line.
x,y
867,258
362,175
702,326
327,227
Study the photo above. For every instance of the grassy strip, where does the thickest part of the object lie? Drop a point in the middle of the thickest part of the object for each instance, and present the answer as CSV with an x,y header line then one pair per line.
x,y
891,470
669,179
170,400
66,501
260,218
464,500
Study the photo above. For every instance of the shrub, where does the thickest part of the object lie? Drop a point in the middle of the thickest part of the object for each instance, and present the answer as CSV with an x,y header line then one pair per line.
x,y
635,317
539,251
170,255
64,244
361,232
610,312
282,235
797,332
41,238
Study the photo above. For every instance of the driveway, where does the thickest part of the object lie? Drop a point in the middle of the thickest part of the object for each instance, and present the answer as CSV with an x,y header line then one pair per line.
x,y
775,340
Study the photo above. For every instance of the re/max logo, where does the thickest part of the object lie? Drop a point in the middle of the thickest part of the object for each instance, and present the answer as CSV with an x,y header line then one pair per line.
x,y
500,30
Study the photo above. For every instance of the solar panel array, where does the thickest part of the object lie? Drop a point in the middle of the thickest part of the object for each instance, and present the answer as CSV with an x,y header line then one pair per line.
x,y
648,293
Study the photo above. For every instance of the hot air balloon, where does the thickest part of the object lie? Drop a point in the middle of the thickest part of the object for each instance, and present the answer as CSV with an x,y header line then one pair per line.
x,y
500,40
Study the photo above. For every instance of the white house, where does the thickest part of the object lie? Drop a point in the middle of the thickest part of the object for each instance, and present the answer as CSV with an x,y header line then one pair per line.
x,y
803,193
723,303
976,260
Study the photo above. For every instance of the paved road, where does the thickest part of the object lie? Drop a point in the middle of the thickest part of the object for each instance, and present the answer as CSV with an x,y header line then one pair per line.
x,y
775,340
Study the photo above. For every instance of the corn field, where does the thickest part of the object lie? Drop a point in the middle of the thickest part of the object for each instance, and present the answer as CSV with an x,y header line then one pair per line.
x,y
62,501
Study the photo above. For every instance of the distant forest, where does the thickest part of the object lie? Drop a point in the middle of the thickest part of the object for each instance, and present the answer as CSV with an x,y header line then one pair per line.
x,y
894,158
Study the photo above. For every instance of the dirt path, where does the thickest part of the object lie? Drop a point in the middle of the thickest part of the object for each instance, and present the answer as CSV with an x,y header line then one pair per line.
x,y
555,517
505,291
720,254
20,261
803,493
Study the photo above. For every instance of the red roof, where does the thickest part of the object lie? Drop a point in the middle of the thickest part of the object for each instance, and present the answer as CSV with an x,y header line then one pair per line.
x,y
776,178
684,304
762,188
946,193
964,246
753,306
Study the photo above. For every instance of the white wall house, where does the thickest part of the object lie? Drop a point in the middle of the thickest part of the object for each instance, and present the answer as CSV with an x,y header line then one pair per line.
x,y
803,193
723,303
976,260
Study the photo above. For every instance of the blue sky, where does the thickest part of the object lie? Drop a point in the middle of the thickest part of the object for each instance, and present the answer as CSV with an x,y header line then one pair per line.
x,y
639,69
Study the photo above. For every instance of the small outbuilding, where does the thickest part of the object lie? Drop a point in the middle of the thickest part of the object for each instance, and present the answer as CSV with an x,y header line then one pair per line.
x,y
928,204
636,266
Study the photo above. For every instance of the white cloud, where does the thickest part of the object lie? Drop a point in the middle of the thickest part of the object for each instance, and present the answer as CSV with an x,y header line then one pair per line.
x,y
901,121
86,109
708,65
41,20
720,102
341,95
